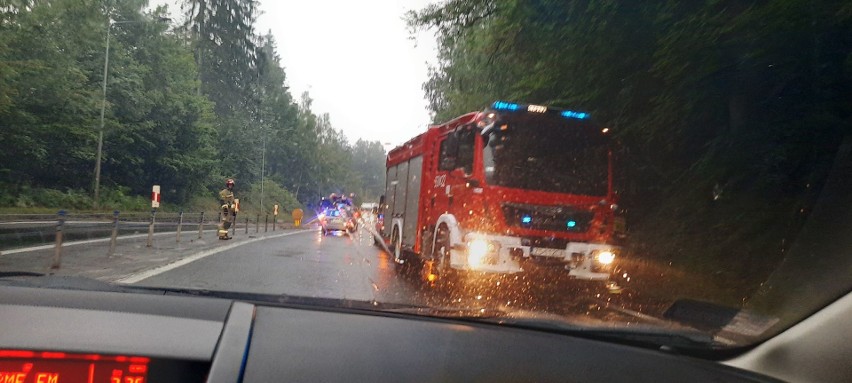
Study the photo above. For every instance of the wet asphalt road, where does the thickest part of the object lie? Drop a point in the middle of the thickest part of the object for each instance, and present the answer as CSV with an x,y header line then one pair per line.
x,y
303,264
350,266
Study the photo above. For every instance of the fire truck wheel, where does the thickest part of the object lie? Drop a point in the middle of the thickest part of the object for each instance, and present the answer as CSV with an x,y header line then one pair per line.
x,y
396,247
410,265
441,254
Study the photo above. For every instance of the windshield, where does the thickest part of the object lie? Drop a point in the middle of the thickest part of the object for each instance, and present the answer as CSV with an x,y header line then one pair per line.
x,y
666,167
547,154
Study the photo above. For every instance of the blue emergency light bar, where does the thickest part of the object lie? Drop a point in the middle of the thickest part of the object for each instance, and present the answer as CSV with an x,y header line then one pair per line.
x,y
511,106
502,105
573,114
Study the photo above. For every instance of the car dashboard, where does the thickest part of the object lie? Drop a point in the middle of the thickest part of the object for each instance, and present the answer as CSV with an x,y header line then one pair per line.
x,y
102,336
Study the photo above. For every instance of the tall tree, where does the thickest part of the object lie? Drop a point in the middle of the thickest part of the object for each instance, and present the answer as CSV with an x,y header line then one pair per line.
x,y
164,132
367,168
226,50
157,130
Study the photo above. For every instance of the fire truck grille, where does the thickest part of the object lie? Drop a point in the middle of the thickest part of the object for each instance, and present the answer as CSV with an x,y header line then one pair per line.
x,y
548,243
551,218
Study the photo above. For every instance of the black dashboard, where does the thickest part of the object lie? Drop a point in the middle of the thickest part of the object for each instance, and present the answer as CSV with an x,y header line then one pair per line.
x,y
198,339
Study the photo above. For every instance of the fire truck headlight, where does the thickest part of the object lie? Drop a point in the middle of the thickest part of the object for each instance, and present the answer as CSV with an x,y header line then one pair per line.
x,y
605,257
475,260
478,251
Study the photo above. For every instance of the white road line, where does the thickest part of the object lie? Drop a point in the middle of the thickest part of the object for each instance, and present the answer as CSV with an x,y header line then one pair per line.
x,y
84,242
137,277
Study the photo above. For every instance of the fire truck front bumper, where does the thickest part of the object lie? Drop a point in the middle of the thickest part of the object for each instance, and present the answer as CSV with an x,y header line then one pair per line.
x,y
491,253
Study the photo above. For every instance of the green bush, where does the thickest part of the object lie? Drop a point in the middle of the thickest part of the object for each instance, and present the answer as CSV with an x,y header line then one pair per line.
x,y
52,198
202,203
119,199
272,194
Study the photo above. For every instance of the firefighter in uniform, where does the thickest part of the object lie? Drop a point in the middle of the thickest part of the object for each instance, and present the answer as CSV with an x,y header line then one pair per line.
x,y
229,213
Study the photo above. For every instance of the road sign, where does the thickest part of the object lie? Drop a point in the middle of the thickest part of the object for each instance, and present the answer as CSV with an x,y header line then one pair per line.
x,y
297,216
236,205
155,196
275,209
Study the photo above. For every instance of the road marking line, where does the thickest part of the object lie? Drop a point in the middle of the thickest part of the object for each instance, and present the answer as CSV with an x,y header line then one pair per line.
x,y
137,277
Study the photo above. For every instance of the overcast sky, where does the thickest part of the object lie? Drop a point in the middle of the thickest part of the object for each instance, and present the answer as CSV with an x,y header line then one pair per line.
x,y
356,60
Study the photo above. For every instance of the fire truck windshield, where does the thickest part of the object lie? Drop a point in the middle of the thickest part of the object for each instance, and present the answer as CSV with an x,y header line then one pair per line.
x,y
546,153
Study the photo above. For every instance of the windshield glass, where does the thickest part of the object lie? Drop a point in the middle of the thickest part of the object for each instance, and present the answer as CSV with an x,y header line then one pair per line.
x,y
666,167
547,154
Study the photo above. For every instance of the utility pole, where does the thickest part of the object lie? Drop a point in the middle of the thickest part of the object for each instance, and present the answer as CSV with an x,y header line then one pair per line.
x,y
101,129
262,157
99,155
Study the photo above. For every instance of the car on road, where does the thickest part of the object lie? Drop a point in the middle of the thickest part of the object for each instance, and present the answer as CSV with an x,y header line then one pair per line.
x,y
333,220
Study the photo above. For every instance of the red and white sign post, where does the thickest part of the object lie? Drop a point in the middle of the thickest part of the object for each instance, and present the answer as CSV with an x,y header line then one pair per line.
x,y
155,203
155,197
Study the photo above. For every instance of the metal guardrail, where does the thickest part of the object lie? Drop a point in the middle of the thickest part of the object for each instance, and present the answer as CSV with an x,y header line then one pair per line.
x,y
27,230
21,230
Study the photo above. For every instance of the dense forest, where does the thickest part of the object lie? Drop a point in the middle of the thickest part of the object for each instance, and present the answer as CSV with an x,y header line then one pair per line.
x,y
188,102
728,114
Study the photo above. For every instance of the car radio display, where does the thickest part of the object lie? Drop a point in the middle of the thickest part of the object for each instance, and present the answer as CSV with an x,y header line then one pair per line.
x,y
59,367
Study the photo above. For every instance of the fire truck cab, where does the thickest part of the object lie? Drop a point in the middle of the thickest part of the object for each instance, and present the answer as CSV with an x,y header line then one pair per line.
x,y
503,189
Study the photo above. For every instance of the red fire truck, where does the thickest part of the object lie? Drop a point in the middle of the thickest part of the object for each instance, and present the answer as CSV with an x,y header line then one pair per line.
x,y
504,190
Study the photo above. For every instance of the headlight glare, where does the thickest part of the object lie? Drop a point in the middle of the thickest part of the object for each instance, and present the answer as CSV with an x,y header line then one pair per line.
x,y
605,257
479,249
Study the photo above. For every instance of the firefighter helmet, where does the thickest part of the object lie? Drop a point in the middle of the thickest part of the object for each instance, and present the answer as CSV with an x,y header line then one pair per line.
x,y
229,182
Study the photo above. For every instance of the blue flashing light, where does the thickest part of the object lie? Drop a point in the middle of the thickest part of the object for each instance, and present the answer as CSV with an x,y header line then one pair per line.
x,y
526,219
571,223
573,114
502,105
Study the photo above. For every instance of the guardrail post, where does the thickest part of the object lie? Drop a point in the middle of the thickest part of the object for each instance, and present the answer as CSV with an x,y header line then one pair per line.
x,y
234,225
257,224
151,228
57,255
266,224
114,237
180,224
247,223
274,221
201,225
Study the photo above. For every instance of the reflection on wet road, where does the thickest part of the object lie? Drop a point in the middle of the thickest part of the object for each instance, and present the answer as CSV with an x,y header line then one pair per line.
x,y
351,267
